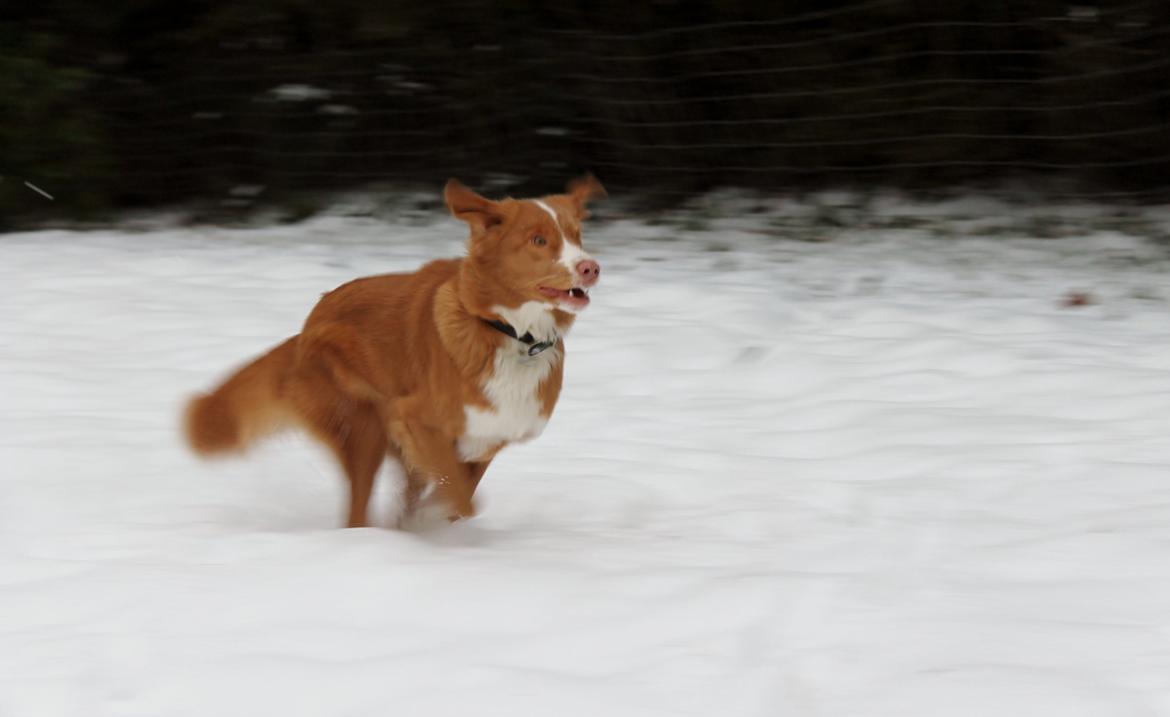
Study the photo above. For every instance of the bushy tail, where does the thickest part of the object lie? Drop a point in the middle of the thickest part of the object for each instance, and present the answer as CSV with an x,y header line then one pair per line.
x,y
246,407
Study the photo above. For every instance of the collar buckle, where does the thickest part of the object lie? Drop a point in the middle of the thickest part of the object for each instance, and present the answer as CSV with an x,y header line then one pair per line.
x,y
534,347
537,348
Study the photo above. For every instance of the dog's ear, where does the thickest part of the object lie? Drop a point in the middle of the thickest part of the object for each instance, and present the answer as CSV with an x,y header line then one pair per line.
x,y
480,213
583,189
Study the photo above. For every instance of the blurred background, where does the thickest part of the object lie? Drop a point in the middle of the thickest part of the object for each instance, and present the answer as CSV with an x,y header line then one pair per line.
x,y
136,103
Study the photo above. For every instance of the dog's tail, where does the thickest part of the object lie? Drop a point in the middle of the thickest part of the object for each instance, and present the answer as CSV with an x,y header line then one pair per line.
x,y
247,407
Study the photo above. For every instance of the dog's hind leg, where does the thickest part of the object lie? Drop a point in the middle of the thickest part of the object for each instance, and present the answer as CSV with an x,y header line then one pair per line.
x,y
350,427
361,452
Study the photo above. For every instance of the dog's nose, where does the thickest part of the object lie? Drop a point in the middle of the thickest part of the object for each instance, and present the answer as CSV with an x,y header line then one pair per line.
x,y
589,271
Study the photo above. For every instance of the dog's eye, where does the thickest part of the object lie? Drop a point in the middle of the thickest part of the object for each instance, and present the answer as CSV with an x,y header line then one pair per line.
x,y
539,240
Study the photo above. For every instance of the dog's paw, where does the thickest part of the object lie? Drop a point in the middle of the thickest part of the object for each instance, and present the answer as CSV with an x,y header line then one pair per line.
x,y
430,514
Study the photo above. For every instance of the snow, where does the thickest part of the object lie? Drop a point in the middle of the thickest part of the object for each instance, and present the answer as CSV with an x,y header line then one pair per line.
x,y
880,472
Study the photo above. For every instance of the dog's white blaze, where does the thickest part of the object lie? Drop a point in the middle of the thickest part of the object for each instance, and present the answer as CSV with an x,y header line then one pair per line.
x,y
549,210
571,254
513,392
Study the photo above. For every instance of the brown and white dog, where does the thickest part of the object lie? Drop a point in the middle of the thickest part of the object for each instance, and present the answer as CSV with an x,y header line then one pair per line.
x,y
438,369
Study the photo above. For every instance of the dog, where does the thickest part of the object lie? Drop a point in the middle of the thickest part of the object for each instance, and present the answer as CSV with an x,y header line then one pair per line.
x,y
437,369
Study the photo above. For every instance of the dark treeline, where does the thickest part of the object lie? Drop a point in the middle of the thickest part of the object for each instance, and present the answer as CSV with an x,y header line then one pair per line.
x,y
141,102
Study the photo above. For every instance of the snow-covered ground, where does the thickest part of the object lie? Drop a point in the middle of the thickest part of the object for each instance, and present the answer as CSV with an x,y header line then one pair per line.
x,y
884,472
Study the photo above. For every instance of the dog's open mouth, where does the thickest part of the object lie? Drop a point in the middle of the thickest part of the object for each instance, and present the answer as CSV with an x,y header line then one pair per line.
x,y
576,297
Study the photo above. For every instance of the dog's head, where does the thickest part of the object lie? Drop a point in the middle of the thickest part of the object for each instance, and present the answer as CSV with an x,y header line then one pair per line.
x,y
530,249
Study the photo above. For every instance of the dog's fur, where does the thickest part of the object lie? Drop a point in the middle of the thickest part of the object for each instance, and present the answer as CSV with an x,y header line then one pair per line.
x,y
406,366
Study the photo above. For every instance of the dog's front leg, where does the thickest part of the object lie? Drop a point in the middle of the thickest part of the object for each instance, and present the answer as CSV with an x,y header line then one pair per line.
x,y
430,460
475,473
419,510
430,455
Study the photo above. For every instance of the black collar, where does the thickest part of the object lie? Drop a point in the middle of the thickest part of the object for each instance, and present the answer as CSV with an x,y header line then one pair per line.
x,y
534,347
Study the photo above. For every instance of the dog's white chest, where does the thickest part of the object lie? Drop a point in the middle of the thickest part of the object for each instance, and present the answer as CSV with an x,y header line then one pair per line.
x,y
514,393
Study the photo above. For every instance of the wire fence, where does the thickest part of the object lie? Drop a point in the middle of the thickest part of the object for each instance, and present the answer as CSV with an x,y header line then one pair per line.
x,y
1074,98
